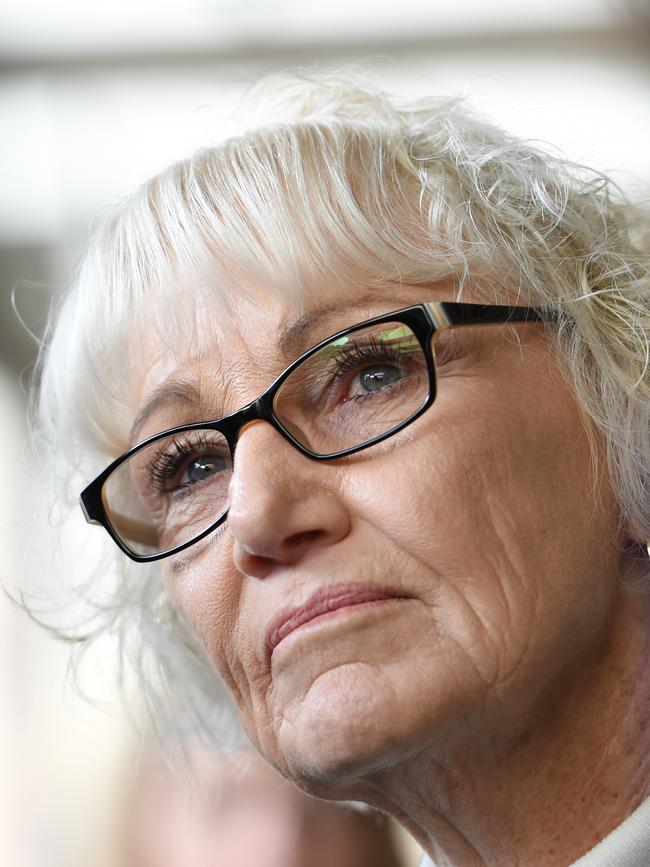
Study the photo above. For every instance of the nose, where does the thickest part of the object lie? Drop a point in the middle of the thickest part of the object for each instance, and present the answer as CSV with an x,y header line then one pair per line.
x,y
280,508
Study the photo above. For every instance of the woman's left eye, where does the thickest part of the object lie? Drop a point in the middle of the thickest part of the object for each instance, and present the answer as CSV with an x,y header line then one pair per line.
x,y
374,378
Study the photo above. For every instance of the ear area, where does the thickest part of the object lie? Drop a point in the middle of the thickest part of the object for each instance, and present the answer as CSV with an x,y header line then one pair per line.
x,y
634,538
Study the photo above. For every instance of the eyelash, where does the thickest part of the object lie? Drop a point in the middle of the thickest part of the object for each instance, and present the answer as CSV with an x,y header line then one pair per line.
x,y
373,350
345,360
166,464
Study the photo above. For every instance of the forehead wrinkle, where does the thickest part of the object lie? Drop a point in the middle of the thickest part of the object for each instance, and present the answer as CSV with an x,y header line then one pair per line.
x,y
233,387
207,386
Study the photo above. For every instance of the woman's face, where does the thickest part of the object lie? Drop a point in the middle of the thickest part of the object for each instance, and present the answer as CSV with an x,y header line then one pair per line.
x,y
468,559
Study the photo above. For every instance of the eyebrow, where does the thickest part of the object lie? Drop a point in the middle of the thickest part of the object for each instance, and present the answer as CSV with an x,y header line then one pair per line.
x,y
178,392
291,340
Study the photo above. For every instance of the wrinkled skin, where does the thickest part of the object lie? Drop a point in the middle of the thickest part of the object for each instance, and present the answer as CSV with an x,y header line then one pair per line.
x,y
463,705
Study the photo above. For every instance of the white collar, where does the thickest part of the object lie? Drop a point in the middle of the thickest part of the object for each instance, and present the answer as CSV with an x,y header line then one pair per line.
x,y
626,846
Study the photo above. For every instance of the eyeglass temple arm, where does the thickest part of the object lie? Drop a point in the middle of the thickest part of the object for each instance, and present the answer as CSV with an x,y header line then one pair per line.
x,y
448,313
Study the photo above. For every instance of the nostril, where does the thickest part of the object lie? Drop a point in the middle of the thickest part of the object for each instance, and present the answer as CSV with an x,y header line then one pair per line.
x,y
289,551
255,565
306,537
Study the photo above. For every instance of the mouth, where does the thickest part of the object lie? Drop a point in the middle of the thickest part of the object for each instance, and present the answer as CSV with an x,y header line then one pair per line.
x,y
324,601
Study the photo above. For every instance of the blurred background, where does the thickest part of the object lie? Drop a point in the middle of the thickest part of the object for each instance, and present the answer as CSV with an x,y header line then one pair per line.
x,y
96,97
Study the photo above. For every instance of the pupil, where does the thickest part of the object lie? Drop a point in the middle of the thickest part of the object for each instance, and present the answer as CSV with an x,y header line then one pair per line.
x,y
202,467
374,378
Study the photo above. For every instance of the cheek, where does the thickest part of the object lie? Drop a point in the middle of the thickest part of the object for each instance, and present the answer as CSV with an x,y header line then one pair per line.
x,y
220,609
492,492
494,460
208,593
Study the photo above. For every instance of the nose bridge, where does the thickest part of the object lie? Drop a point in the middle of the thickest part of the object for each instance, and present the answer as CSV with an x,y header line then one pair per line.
x,y
248,424
279,506
259,453
244,418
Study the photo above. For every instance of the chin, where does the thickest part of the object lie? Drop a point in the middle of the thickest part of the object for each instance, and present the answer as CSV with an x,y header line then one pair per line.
x,y
349,725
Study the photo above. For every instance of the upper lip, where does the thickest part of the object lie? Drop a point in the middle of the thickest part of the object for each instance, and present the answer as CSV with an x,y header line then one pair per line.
x,y
320,602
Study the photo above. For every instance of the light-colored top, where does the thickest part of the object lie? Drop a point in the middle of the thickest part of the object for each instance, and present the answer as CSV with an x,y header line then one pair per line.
x,y
626,846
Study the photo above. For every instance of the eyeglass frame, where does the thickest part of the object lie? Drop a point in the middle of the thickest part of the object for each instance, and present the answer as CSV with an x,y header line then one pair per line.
x,y
425,320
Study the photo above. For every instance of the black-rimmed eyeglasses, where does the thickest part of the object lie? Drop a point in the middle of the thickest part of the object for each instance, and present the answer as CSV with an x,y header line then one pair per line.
x,y
347,393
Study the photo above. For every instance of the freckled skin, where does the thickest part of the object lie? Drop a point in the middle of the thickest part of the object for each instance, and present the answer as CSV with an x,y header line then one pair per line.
x,y
443,706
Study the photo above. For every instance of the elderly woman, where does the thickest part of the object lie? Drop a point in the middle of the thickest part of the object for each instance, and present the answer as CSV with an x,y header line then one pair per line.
x,y
368,392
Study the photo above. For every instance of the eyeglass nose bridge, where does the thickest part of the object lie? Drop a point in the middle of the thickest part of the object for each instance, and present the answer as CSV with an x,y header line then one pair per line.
x,y
257,410
262,409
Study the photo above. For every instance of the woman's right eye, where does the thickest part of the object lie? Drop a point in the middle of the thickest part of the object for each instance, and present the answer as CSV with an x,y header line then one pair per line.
x,y
202,467
183,465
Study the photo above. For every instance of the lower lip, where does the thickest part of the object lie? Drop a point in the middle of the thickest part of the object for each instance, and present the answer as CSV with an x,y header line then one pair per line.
x,y
331,615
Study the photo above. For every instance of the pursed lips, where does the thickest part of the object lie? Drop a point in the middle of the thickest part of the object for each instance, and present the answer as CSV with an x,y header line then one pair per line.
x,y
321,602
